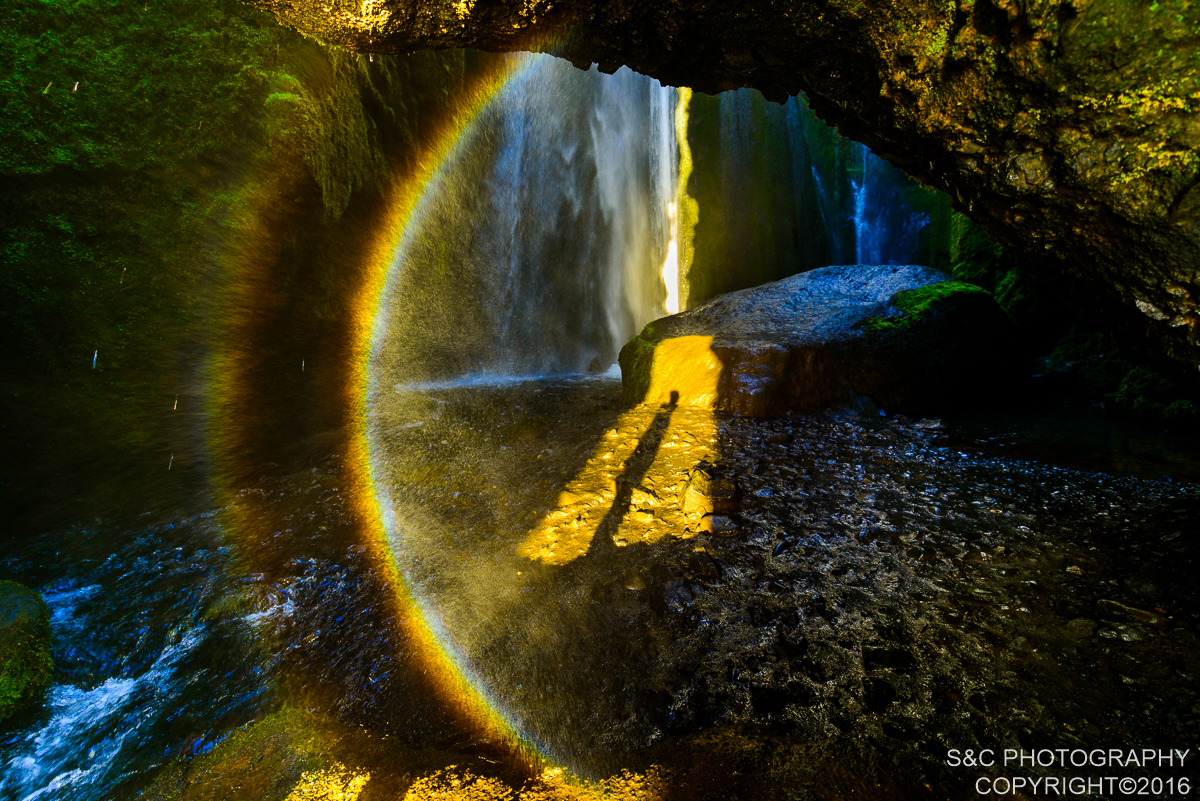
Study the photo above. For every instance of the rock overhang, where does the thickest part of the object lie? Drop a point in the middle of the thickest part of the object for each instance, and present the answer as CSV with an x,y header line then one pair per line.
x,y
1066,128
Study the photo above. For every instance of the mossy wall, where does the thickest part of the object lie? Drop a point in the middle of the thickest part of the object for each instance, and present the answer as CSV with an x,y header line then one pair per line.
x,y
775,191
1031,295
1096,353
178,179
26,665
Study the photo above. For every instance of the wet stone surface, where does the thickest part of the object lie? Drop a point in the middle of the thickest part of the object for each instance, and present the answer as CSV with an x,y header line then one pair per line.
x,y
860,579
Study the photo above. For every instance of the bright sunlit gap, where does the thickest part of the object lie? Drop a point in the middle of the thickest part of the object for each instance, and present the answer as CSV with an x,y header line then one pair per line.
x,y
670,268
636,483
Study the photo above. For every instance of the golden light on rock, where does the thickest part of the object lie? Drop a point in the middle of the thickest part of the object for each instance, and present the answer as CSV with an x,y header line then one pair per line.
x,y
556,784
685,371
452,784
336,783
553,784
647,478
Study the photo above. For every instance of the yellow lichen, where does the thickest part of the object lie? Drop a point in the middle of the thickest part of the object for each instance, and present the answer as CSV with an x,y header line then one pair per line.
x,y
336,783
1160,98
1160,155
453,784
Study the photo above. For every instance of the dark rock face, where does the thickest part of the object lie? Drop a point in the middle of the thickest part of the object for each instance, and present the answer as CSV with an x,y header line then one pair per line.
x,y
1067,128
25,664
903,336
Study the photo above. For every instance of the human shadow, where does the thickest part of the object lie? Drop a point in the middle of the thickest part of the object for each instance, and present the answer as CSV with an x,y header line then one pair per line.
x,y
636,467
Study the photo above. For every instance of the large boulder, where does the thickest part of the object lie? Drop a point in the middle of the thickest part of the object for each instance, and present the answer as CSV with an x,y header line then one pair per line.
x,y
906,337
25,663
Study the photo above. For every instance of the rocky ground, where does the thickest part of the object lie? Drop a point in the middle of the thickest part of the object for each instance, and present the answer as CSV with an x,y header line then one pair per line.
x,y
855,580
671,604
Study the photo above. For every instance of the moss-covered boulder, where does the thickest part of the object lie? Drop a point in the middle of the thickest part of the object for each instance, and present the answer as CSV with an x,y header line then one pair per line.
x,y
905,336
25,663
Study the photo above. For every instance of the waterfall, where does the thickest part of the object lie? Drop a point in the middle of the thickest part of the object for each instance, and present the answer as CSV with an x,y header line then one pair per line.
x,y
562,222
781,192
542,247
867,235
888,230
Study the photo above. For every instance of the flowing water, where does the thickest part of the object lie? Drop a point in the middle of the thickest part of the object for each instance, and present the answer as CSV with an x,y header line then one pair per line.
x,y
540,250
779,192
884,590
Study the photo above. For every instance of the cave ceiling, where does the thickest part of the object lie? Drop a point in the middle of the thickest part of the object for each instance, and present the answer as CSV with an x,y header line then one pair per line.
x,y
1069,129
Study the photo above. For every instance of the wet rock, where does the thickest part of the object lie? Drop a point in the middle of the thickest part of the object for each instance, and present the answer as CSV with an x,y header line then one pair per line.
x,y
704,566
885,658
721,525
266,761
1114,610
1144,583
897,336
789,648
825,662
708,492
299,755
878,694
677,596
634,582
1080,627
768,700
1185,636
760,616
25,663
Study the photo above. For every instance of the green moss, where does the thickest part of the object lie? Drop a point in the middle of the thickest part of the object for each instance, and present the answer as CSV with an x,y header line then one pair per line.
x,y
1148,396
1032,294
636,360
1181,412
127,83
974,257
1092,356
204,145
263,761
25,662
914,304
300,754
936,45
